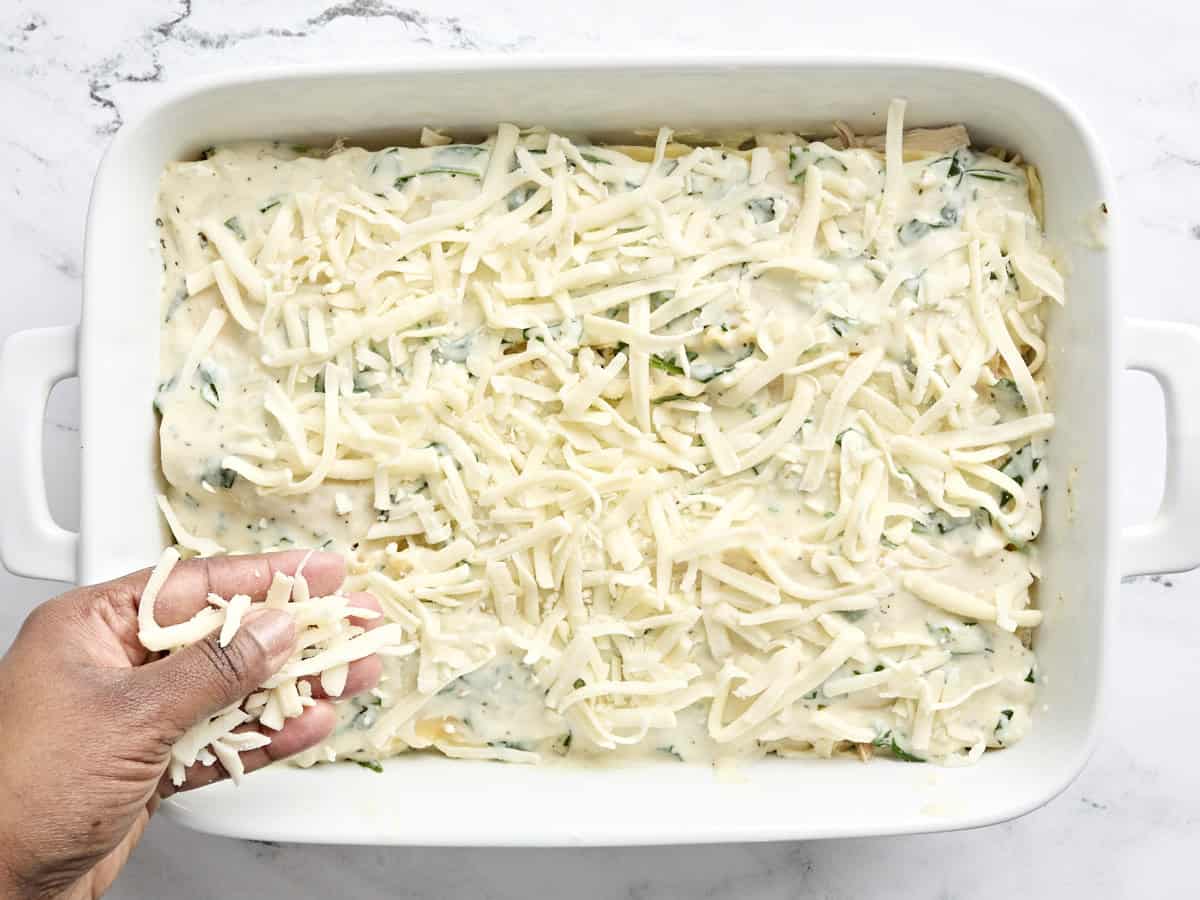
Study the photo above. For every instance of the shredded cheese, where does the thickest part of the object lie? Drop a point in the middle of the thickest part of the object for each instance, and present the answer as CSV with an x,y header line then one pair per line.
x,y
637,447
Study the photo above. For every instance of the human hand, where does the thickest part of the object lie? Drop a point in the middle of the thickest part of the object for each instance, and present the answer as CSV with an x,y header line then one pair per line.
x,y
88,715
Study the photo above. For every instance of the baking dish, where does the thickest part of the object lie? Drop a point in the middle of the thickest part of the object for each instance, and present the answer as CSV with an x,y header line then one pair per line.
x,y
425,800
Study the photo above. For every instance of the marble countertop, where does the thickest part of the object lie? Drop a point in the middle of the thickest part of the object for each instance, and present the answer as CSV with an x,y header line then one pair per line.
x,y
71,73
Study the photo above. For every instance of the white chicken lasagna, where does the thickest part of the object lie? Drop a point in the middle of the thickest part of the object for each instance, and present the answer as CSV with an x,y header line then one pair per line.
x,y
696,452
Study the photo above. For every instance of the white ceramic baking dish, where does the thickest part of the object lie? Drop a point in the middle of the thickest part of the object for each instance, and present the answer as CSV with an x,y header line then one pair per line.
x,y
424,800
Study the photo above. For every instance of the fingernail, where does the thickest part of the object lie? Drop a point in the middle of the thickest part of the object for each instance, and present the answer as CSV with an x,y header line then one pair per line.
x,y
275,632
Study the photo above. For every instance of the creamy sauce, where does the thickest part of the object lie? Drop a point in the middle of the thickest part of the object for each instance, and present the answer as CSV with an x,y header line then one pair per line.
x,y
690,453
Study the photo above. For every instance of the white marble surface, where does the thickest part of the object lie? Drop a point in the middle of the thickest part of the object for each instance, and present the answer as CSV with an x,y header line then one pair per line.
x,y
70,73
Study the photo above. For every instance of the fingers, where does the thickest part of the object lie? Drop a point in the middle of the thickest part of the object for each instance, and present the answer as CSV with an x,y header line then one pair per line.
x,y
188,686
364,673
363,600
186,591
191,582
306,730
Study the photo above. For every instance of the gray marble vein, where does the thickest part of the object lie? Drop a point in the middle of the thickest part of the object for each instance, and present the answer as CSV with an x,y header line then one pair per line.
x,y
72,73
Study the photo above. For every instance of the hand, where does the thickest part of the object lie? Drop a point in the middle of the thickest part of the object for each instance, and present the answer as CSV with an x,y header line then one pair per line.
x,y
88,716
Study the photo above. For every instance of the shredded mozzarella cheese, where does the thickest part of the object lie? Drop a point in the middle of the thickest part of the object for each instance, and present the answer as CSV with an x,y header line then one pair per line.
x,y
640,448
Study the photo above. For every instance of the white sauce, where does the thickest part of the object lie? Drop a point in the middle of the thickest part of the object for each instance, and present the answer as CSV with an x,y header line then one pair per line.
x,y
809,545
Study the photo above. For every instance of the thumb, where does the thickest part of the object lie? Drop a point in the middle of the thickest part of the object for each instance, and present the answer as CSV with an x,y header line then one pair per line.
x,y
197,681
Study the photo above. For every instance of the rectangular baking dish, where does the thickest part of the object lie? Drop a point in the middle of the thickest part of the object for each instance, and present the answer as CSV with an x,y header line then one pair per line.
x,y
425,800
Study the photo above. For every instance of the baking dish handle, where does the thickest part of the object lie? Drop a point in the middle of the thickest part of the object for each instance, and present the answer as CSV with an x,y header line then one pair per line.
x,y
1170,542
31,542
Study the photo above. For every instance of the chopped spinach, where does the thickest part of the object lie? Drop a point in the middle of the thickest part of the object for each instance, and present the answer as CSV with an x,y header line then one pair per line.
x,y
1005,384
663,364
234,224
180,298
368,714
456,350
991,174
914,230
762,209
840,325
372,764
887,741
511,745
435,170
208,386
815,154
903,755
959,162
1001,729
706,370
1020,465
219,476
943,523
462,152
569,332
841,434
518,197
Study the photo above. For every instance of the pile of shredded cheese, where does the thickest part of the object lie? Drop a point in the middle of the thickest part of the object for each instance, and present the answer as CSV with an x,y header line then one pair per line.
x,y
692,451
327,642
